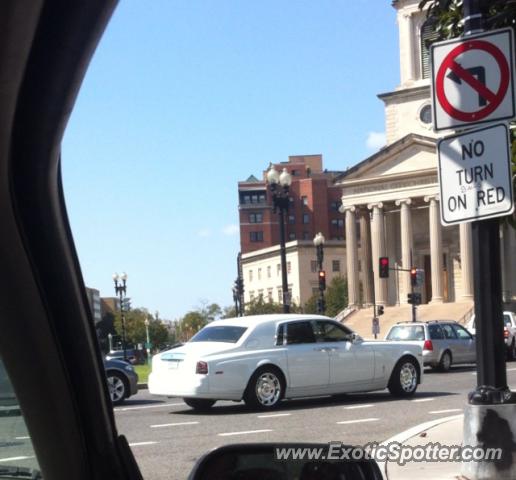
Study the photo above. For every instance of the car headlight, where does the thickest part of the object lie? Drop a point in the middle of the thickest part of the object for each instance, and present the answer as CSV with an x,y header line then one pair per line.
x,y
129,368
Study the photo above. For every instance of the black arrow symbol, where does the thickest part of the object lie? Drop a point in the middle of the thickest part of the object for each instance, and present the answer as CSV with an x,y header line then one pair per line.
x,y
479,72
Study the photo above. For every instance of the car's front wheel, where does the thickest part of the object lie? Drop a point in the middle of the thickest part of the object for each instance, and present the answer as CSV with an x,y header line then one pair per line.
x,y
404,378
199,404
265,389
117,387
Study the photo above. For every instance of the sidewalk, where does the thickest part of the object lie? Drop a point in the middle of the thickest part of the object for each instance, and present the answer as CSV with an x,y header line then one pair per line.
x,y
448,431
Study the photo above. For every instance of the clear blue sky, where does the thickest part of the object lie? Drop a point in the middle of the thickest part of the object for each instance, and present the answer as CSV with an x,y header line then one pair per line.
x,y
185,98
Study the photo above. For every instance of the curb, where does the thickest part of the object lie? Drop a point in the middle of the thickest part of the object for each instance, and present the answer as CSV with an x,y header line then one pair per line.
x,y
142,386
412,432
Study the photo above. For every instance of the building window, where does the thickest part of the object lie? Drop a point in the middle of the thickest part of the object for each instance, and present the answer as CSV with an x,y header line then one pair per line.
x,y
291,199
292,236
269,271
261,198
269,295
428,35
306,236
334,206
304,200
289,267
278,269
306,218
335,266
256,217
291,219
250,275
280,295
260,294
294,173
251,296
256,236
259,274
337,223
313,266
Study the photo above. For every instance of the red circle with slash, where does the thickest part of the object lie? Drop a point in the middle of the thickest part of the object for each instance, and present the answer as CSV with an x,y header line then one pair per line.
x,y
494,99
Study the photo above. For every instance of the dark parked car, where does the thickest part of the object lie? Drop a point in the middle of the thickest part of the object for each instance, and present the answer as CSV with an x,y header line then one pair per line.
x,y
122,380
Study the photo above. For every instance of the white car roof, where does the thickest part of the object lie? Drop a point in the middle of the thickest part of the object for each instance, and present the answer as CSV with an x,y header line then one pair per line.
x,y
254,320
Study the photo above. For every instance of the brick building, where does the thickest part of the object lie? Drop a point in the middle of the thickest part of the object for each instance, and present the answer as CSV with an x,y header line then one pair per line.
x,y
314,206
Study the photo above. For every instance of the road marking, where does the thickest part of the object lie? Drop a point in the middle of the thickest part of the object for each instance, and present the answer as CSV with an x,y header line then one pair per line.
x,y
173,424
449,410
360,420
353,407
162,405
275,415
15,459
21,438
136,444
242,433
423,400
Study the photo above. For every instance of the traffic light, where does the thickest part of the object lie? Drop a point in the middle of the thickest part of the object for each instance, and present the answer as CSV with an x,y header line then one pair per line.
x,y
379,310
322,280
413,276
384,267
414,298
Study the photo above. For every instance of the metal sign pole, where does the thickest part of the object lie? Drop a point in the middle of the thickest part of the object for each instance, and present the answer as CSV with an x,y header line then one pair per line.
x,y
491,371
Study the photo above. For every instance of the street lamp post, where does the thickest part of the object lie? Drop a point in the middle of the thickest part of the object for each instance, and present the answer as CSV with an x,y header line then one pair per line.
x,y
319,246
147,346
279,185
120,289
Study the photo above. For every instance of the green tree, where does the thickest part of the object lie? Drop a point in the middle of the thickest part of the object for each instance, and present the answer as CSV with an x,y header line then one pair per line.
x,y
311,304
189,325
448,15
259,306
135,331
336,296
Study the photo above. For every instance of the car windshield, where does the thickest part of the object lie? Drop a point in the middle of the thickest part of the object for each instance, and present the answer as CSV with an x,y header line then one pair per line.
x,y
226,333
405,332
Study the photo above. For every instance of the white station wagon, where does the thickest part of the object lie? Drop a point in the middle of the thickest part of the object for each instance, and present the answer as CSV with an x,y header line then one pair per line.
x,y
264,359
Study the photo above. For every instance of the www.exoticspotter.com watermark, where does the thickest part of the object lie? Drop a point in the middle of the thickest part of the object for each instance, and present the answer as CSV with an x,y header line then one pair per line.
x,y
390,452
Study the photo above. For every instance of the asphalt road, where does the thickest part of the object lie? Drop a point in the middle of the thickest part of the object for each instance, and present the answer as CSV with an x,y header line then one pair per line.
x,y
167,436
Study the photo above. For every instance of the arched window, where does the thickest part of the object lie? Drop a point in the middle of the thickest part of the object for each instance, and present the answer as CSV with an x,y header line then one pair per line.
x,y
428,36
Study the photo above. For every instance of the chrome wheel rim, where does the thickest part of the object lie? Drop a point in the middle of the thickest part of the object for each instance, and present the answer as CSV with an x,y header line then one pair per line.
x,y
446,361
408,377
116,388
268,389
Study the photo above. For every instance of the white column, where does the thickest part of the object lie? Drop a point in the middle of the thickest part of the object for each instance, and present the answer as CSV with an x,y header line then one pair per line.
x,y
352,256
466,261
436,250
406,244
378,250
365,250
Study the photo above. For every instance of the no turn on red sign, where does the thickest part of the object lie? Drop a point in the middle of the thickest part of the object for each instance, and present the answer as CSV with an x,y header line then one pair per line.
x,y
473,80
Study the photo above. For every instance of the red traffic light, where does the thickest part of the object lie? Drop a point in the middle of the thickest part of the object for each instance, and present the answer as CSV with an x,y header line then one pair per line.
x,y
413,276
384,267
322,280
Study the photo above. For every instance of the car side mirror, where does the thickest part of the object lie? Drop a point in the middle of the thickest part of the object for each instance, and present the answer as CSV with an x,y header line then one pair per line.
x,y
356,338
267,461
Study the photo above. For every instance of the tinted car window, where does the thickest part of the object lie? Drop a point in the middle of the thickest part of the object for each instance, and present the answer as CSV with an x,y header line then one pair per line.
x,y
449,333
461,332
407,332
435,332
280,335
300,332
507,320
330,331
226,333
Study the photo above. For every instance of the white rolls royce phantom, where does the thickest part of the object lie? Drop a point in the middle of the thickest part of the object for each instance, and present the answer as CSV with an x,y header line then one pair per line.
x,y
264,359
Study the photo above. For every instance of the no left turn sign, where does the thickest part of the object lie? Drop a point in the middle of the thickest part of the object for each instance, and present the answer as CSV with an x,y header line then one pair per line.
x,y
473,80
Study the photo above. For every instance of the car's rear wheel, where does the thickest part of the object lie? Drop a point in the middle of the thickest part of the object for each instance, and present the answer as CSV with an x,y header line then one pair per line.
x,y
404,378
117,385
199,404
446,362
265,389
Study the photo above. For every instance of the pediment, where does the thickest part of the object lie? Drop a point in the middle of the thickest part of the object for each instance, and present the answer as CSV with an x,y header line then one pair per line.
x,y
411,154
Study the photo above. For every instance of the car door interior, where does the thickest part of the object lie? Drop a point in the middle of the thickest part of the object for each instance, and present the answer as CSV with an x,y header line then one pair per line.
x,y
45,48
